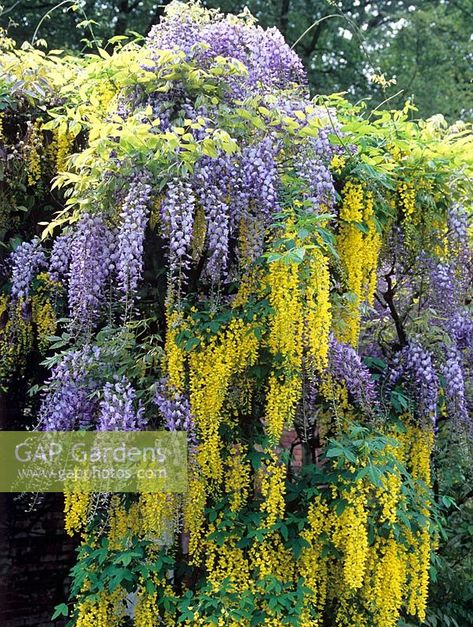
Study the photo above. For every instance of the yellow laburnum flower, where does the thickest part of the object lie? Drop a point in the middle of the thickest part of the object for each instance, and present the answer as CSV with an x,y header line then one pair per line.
x,y
359,253
227,562
273,489
44,317
350,536
211,368
122,522
283,395
337,163
157,511
271,558
407,195
76,509
285,336
63,142
194,519
312,564
385,586
237,478
318,317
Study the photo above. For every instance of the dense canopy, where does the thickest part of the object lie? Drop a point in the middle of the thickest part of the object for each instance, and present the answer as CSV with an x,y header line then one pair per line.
x,y
193,242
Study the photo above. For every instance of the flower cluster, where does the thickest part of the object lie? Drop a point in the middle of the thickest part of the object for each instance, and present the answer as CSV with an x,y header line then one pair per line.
x,y
131,234
68,403
213,185
60,258
90,267
25,261
269,61
118,410
415,364
453,374
174,408
177,216
346,366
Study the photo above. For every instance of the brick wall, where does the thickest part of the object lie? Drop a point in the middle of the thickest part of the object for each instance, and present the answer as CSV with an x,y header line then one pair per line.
x,y
35,559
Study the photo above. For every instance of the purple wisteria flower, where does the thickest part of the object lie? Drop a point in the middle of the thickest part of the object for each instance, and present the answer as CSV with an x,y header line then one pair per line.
x,y
415,366
25,261
131,234
461,329
268,60
119,408
177,216
174,408
91,263
452,371
346,366
458,224
259,179
447,294
212,190
60,258
319,180
68,403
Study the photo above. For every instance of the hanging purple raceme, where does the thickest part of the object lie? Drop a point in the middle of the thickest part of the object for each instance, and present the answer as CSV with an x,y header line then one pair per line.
x,y
92,250
130,240
68,404
254,183
212,188
60,258
174,408
452,372
260,179
447,291
458,225
25,261
119,408
346,366
268,60
445,288
414,364
460,328
177,217
320,185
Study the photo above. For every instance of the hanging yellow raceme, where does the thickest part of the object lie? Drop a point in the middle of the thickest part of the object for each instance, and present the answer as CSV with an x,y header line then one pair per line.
x,y
158,512
226,563
211,368
318,317
350,536
76,508
359,252
371,249
313,564
63,141
105,611
384,588
273,489
285,343
420,442
237,478
193,513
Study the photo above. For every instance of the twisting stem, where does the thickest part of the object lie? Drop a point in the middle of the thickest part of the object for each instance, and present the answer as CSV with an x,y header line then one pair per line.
x,y
388,296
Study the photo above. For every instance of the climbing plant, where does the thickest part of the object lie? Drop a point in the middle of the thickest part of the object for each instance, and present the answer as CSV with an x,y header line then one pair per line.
x,y
285,278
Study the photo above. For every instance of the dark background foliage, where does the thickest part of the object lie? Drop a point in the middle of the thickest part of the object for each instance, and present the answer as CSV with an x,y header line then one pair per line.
x,y
425,45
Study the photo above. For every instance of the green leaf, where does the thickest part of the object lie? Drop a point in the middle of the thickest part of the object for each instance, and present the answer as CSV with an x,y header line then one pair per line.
x,y
60,610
